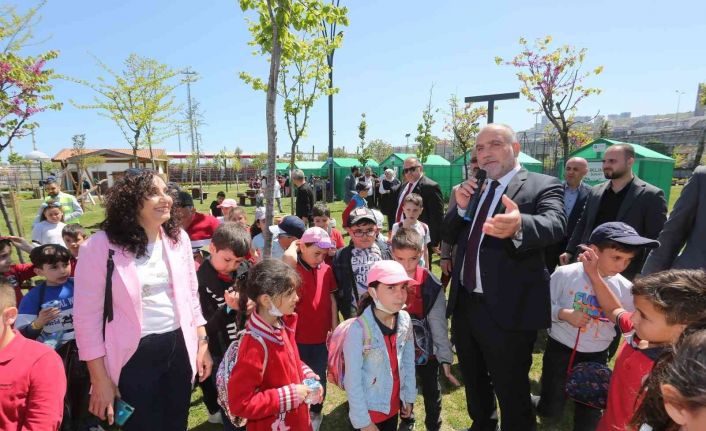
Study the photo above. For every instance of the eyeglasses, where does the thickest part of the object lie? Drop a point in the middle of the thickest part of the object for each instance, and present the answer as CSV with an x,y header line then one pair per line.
x,y
362,233
410,169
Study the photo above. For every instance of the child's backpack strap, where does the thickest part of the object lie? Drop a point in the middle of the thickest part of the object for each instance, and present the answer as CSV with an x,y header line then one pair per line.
x,y
367,332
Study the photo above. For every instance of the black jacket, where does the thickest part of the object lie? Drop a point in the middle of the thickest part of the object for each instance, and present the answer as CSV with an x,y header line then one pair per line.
x,y
644,208
345,279
514,277
433,213
305,202
220,324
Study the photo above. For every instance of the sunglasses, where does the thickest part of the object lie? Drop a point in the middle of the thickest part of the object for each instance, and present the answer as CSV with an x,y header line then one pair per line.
x,y
410,169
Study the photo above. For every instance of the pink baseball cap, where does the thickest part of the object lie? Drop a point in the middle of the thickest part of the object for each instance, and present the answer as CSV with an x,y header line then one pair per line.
x,y
318,237
228,203
388,272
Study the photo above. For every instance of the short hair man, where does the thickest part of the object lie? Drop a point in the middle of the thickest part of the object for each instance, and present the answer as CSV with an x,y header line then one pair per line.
x,y
624,197
416,182
350,182
499,295
575,194
69,205
305,197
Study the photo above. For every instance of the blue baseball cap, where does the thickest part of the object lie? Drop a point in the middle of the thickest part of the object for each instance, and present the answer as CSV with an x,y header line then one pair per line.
x,y
290,226
621,233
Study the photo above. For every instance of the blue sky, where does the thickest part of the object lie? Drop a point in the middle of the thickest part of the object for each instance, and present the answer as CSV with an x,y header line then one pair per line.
x,y
393,51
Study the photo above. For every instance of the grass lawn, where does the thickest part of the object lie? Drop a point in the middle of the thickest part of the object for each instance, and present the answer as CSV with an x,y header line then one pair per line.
x,y
454,401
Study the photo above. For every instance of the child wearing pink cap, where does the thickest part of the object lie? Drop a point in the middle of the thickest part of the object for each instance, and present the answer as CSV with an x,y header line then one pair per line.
x,y
379,353
316,306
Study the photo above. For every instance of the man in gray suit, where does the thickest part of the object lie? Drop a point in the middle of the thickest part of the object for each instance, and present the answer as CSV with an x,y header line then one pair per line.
x,y
686,228
625,198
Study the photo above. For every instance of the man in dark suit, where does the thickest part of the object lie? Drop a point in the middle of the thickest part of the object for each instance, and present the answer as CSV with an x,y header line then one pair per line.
x,y
575,194
686,228
349,184
625,198
428,189
499,294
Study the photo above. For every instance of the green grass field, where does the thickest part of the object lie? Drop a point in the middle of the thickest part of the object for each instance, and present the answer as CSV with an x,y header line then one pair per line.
x,y
335,415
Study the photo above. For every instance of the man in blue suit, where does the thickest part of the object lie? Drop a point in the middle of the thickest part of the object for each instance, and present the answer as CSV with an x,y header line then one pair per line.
x,y
575,194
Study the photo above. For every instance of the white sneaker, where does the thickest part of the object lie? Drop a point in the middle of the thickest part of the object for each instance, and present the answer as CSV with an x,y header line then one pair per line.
x,y
315,420
215,418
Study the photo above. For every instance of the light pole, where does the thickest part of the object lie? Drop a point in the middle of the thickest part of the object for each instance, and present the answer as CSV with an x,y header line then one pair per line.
x,y
406,148
676,116
40,157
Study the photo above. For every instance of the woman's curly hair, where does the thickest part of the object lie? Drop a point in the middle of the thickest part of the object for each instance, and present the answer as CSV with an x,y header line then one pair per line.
x,y
123,203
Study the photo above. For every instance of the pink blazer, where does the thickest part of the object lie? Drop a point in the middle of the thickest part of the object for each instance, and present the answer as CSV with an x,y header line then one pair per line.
x,y
122,335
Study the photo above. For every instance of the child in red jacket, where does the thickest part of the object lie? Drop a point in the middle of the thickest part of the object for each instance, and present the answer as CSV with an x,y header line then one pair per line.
x,y
266,384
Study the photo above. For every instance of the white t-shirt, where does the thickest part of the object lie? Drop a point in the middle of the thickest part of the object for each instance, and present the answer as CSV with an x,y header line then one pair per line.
x,y
158,311
258,242
48,233
278,193
571,289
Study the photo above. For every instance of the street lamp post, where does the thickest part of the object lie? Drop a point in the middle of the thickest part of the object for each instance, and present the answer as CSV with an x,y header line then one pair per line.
x,y
676,116
406,148
40,157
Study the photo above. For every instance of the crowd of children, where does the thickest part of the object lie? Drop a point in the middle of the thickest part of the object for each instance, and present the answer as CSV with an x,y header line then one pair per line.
x,y
278,319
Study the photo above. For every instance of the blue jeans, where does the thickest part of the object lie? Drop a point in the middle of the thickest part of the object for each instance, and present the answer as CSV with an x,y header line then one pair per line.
x,y
156,381
316,357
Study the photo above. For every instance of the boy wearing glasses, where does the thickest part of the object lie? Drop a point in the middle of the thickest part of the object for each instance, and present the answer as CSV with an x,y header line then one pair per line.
x,y
352,263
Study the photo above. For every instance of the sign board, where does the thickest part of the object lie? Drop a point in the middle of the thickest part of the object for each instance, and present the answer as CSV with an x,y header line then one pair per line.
x,y
599,148
595,171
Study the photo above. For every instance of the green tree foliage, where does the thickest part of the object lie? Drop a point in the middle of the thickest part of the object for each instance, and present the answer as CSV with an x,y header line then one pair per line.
x,y
14,159
425,139
553,79
379,150
604,131
462,124
25,88
287,32
137,99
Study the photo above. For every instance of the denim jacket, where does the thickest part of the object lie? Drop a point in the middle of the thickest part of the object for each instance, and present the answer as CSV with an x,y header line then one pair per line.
x,y
368,377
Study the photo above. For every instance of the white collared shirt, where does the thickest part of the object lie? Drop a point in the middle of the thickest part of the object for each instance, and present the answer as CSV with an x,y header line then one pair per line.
x,y
404,193
499,190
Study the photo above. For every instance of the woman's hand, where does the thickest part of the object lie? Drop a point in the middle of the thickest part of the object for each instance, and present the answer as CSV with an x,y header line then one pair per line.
x,y
406,410
103,394
451,378
204,362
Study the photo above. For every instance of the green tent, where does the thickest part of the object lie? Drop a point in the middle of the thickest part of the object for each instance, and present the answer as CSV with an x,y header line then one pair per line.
x,y
282,168
458,172
341,169
436,167
653,167
312,168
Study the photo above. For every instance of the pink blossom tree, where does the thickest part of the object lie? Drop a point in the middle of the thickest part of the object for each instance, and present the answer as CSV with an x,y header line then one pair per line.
x,y
553,79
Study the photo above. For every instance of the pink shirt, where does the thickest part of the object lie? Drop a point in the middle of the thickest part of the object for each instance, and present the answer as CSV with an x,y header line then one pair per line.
x,y
32,386
122,335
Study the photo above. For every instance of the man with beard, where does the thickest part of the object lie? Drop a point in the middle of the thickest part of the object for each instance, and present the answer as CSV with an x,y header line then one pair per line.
x,y
69,205
625,198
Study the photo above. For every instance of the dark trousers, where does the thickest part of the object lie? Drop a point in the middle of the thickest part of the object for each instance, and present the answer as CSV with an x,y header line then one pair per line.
x,y
493,361
553,398
428,377
210,394
316,357
156,381
388,424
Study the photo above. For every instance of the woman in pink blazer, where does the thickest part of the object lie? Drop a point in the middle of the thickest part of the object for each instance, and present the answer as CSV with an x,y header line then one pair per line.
x,y
155,341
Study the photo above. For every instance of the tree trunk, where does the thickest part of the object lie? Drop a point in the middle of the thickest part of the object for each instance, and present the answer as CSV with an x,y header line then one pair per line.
x,y
270,107
292,160
9,224
699,150
134,148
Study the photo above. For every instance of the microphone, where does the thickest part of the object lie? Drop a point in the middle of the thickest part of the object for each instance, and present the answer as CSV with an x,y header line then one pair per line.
x,y
481,175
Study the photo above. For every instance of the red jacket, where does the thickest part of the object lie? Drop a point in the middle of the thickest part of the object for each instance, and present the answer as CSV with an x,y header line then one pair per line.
x,y
32,386
17,274
265,398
